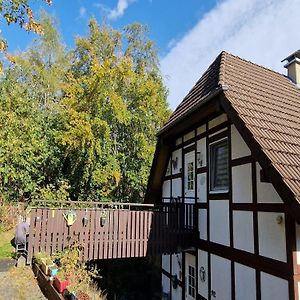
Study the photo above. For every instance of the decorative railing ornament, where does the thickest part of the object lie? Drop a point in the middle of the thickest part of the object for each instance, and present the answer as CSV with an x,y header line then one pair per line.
x,y
70,217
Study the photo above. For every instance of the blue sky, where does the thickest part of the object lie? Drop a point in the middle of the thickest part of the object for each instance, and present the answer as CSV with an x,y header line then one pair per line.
x,y
189,34
167,23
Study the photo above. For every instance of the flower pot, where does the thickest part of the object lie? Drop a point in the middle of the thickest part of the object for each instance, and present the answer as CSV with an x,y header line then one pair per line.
x,y
60,285
73,296
79,295
82,296
53,270
45,267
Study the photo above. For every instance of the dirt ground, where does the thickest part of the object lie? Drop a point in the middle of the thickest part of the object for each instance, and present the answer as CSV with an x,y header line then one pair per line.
x,y
19,284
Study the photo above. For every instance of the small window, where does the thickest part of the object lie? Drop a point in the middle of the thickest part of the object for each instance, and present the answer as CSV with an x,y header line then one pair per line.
x,y
190,176
219,175
192,282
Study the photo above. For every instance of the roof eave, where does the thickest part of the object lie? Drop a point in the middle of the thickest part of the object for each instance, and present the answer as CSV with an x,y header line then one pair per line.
x,y
202,101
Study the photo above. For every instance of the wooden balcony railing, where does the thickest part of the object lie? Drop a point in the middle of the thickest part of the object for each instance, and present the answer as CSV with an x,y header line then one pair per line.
x,y
113,230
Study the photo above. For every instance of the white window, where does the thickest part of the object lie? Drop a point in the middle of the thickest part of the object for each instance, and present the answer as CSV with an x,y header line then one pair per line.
x,y
219,174
190,176
191,282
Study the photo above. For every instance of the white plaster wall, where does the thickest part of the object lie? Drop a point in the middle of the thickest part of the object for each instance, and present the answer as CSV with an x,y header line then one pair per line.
x,y
201,153
216,121
221,277
203,223
177,293
273,287
245,282
219,221
176,187
201,187
177,155
189,145
166,189
189,136
165,282
242,184
168,171
217,132
238,146
298,244
178,141
201,129
243,235
177,265
203,262
271,236
266,193
165,262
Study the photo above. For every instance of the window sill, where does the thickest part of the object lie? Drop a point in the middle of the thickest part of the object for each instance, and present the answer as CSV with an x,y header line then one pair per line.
x,y
219,191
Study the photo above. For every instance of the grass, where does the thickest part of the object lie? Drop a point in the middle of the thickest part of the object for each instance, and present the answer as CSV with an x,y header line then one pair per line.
x,y
6,249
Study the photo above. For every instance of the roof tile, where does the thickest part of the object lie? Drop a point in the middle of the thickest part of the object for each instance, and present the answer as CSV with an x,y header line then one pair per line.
x,y
266,101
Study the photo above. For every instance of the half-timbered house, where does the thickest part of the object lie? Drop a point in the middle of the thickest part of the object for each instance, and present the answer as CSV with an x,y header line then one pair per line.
x,y
232,149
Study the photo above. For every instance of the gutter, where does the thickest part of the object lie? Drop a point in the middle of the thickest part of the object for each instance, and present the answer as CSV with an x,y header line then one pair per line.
x,y
202,101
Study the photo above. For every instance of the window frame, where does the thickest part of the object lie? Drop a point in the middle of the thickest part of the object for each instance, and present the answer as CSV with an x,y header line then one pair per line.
x,y
190,181
214,189
191,281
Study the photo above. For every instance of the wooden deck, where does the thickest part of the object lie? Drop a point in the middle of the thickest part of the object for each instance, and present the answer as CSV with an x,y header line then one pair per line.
x,y
113,230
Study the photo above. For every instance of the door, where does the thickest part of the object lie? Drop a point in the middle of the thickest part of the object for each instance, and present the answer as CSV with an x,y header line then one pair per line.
x,y
190,277
220,278
189,177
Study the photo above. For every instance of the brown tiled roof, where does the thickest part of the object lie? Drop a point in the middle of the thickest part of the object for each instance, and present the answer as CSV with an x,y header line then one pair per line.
x,y
205,85
268,103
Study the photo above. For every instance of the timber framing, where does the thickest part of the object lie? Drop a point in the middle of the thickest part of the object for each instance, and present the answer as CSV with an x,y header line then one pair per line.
x,y
241,98
254,260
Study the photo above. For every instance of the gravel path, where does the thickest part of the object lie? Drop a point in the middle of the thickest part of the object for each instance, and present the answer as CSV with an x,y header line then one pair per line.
x,y
19,284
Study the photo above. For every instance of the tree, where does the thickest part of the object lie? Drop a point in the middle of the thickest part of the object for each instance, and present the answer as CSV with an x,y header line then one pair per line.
x,y
113,105
89,116
23,151
19,12
44,65
30,88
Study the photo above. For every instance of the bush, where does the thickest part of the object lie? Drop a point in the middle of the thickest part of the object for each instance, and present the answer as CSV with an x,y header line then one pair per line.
x,y
81,278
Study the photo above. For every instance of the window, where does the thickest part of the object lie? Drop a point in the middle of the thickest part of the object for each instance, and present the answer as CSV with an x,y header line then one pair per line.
x,y
190,176
191,282
219,174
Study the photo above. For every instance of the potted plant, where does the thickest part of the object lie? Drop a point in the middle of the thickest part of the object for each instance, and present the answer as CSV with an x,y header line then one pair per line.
x,y
82,296
79,285
61,281
45,261
39,257
53,270
46,264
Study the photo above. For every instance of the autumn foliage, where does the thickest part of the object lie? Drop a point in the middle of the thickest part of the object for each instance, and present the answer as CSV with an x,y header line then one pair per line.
x,y
81,123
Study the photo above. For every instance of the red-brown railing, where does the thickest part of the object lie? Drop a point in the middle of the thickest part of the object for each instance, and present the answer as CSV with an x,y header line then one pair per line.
x,y
113,230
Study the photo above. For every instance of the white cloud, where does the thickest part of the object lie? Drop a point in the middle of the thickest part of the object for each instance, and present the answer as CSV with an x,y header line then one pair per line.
x,y
119,10
82,11
261,31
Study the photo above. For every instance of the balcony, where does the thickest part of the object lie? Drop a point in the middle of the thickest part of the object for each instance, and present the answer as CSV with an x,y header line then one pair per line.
x,y
113,230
